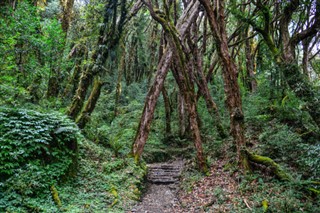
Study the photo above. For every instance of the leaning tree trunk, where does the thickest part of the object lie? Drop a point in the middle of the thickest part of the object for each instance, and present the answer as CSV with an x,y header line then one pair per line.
x,y
216,19
79,97
182,74
186,87
148,111
84,116
203,84
107,41
79,52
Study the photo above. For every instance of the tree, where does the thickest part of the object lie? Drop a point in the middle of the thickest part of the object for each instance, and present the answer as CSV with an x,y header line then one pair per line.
x,y
109,36
173,52
216,17
282,43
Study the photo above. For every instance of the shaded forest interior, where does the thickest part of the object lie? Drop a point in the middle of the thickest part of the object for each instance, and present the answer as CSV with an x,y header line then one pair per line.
x,y
93,90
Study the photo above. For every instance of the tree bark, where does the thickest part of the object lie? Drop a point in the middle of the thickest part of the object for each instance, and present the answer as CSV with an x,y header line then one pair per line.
x,y
229,71
182,115
166,101
67,6
150,104
90,104
119,79
250,64
107,40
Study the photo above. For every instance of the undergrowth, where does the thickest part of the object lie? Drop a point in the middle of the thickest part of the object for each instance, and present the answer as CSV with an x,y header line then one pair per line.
x,y
36,156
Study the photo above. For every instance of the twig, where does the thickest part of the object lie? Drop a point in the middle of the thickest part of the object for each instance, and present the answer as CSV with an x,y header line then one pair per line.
x,y
245,201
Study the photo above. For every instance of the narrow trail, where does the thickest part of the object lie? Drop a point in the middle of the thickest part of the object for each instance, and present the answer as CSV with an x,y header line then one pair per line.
x,y
212,193
162,188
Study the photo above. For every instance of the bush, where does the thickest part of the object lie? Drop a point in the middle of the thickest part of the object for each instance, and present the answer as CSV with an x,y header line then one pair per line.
x,y
280,142
37,150
310,160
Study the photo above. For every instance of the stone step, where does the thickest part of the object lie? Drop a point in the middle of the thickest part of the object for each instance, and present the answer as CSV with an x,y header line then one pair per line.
x,y
165,169
163,180
164,173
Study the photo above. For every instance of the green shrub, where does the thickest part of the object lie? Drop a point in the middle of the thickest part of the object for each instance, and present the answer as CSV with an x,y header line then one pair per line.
x,y
37,150
310,160
280,142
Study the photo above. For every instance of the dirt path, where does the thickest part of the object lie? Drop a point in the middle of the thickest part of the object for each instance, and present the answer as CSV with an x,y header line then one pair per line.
x,y
162,189
213,193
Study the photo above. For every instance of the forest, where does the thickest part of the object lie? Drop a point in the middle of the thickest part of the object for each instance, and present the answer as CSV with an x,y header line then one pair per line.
x,y
159,106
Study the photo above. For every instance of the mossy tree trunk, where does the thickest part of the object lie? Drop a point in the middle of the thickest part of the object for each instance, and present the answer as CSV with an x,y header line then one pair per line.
x,y
79,52
266,161
119,79
109,37
88,108
182,25
216,19
250,68
67,6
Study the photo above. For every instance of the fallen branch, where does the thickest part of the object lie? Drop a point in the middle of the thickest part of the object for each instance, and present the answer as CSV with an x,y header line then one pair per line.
x,y
280,173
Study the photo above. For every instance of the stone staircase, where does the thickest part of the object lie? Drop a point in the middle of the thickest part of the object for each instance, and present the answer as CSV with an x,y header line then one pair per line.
x,y
165,173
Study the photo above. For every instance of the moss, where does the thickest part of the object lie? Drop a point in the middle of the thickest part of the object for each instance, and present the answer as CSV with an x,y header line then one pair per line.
x,y
114,192
265,205
276,169
114,203
55,196
136,159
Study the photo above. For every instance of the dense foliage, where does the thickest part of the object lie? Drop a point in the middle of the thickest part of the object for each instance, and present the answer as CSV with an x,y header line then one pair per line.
x,y
37,151
91,91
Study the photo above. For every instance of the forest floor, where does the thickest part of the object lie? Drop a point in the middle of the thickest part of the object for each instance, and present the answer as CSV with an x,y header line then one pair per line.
x,y
162,188
213,193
